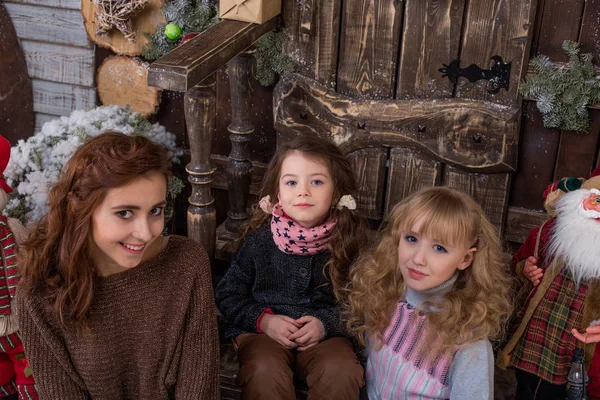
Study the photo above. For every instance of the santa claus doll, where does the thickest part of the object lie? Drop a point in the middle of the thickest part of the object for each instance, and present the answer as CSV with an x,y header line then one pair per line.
x,y
16,380
561,263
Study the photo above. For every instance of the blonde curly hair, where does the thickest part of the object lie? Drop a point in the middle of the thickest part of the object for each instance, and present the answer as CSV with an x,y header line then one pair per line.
x,y
478,305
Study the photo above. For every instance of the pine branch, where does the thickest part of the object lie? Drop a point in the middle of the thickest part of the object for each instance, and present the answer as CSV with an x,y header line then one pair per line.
x,y
271,60
563,94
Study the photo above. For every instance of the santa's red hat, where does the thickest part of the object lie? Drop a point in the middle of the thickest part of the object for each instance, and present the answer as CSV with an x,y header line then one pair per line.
x,y
4,157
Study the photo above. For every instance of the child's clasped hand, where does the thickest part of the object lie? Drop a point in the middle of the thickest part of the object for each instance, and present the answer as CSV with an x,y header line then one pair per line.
x,y
300,333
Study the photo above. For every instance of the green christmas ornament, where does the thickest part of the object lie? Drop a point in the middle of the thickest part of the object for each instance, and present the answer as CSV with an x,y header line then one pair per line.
x,y
173,31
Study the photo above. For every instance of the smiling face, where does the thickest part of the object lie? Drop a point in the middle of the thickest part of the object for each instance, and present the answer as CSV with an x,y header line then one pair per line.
x,y
591,205
305,189
127,223
425,262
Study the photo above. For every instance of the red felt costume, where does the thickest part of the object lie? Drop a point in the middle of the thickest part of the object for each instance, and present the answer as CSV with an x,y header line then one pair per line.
x,y
15,374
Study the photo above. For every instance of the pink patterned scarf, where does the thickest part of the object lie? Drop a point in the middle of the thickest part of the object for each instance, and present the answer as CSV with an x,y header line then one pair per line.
x,y
291,238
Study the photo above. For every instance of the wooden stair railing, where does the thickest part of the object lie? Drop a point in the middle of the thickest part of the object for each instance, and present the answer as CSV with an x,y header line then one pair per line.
x,y
239,168
189,68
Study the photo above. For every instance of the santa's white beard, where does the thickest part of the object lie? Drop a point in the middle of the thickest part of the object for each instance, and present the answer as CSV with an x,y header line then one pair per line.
x,y
576,238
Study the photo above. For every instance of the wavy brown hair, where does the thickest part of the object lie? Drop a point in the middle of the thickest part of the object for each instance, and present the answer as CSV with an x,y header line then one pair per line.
x,y
56,256
478,305
350,233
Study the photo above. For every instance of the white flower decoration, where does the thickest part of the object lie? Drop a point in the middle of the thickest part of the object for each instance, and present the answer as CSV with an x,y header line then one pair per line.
x,y
346,201
265,204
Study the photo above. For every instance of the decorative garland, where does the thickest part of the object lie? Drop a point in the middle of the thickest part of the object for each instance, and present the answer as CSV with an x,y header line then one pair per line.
x,y
187,18
563,94
35,163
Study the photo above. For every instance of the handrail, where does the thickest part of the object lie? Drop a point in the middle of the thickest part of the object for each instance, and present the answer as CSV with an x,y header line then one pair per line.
x,y
189,64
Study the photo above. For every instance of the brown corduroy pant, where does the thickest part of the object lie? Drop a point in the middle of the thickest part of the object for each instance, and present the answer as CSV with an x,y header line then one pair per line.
x,y
330,369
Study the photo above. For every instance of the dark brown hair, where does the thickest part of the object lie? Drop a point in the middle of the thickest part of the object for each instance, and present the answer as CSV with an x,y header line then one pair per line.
x,y
350,233
56,258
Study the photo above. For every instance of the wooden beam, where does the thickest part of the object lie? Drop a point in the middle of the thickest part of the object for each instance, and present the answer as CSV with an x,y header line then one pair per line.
x,y
188,64
477,136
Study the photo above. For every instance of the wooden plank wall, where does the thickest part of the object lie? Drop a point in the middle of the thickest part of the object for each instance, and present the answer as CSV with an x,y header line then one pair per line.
x,y
60,58
321,42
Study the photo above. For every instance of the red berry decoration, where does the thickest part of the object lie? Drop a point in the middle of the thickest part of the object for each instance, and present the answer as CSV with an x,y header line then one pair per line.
x,y
188,37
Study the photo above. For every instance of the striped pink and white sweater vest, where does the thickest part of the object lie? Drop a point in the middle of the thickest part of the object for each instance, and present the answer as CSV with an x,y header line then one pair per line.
x,y
397,372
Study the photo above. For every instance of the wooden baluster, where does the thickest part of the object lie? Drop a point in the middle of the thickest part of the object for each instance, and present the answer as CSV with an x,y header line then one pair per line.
x,y
200,112
239,167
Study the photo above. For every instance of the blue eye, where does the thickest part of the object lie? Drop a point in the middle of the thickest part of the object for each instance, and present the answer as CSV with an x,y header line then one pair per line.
x,y
439,248
125,214
291,183
156,211
317,182
410,238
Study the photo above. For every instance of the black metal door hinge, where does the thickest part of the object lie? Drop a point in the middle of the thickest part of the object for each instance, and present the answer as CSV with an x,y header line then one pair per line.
x,y
498,75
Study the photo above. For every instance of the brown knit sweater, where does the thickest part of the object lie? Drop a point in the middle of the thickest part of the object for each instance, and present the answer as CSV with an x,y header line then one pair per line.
x,y
153,334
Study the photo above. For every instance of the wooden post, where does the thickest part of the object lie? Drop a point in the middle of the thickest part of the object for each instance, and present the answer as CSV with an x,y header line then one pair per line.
x,y
239,167
200,112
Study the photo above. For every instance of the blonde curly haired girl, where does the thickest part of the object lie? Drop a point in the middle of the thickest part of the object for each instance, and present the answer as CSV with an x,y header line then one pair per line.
x,y
429,297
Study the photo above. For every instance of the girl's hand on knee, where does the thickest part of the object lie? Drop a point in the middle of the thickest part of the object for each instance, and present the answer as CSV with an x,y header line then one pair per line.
x,y
532,271
310,334
279,327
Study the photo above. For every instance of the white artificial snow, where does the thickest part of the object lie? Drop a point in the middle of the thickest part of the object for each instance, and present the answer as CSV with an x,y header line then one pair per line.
x,y
35,164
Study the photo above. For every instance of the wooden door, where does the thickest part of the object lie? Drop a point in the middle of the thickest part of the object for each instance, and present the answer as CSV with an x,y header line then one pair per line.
x,y
368,77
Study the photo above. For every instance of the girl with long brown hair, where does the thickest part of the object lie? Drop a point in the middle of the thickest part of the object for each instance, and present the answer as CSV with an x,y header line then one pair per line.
x,y
109,308
281,291
427,299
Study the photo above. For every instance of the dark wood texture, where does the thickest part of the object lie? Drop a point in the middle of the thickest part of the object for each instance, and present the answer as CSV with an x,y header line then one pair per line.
x,y
313,28
16,96
262,143
431,38
200,110
490,190
408,172
239,167
192,62
477,136
520,221
589,31
577,151
370,37
369,168
539,146
220,175
500,27
558,20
